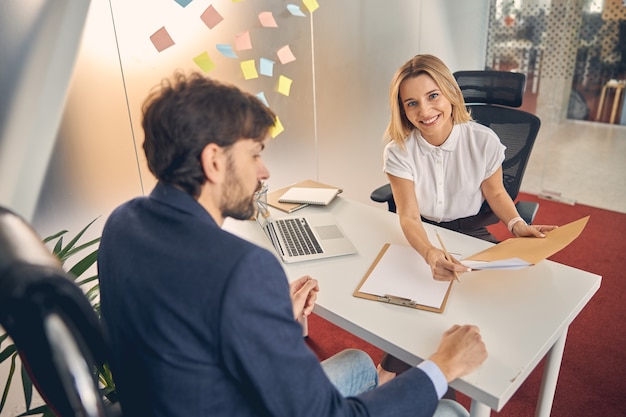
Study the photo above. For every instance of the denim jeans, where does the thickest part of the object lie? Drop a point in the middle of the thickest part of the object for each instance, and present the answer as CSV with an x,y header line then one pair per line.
x,y
353,372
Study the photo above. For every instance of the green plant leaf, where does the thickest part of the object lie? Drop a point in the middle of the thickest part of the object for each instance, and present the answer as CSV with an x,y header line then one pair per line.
x,y
27,386
72,242
58,247
7,352
82,247
5,392
84,264
3,337
93,292
54,236
42,410
86,280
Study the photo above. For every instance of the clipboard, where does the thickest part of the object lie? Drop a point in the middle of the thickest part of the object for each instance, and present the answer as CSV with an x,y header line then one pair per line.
x,y
274,196
399,275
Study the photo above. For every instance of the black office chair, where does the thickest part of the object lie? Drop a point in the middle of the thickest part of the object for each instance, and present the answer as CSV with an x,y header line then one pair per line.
x,y
493,98
54,327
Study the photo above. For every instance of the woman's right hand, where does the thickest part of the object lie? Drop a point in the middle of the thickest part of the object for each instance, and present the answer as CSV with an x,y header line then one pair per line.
x,y
443,269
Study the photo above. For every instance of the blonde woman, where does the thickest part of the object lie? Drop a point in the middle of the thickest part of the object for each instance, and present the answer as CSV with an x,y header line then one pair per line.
x,y
442,166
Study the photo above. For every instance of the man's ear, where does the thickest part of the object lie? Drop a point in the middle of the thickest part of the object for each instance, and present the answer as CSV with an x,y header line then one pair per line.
x,y
213,159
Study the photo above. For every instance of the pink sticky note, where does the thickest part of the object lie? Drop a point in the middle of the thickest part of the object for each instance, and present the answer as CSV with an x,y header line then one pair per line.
x,y
211,17
285,55
267,20
161,39
242,41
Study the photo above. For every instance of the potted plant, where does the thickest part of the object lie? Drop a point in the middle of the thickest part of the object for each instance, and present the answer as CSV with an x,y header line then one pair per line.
x,y
90,286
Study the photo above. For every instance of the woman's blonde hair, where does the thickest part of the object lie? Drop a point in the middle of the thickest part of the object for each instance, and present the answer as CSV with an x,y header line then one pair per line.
x,y
399,125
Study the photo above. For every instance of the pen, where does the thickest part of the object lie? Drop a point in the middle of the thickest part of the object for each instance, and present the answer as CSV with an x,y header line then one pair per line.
x,y
445,251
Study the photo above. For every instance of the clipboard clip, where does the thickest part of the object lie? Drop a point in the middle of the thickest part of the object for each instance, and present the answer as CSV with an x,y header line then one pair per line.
x,y
392,299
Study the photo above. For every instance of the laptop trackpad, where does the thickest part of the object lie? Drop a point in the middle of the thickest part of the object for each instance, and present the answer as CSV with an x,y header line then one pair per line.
x,y
329,232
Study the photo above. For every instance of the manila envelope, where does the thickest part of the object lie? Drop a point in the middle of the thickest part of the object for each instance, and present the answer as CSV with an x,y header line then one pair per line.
x,y
530,249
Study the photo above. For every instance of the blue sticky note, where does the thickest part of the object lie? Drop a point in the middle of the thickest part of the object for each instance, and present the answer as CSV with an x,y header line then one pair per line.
x,y
261,96
295,10
267,67
226,50
183,3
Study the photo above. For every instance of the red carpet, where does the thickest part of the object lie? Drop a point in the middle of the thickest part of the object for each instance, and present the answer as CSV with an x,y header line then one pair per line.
x,y
592,380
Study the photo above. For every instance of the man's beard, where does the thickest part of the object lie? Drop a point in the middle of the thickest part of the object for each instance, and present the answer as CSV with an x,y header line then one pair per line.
x,y
235,203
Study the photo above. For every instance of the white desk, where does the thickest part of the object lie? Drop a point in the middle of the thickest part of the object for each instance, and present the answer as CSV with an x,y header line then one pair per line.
x,y
523,315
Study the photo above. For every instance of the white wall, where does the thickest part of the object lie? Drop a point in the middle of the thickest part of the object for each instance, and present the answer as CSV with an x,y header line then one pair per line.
x,y
334,118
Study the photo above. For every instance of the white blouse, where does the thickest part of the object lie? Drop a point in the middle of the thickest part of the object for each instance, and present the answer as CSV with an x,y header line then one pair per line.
x,y
447,178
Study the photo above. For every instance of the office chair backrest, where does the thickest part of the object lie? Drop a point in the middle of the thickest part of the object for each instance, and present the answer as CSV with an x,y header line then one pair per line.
x,y
492,97
492,87
53,325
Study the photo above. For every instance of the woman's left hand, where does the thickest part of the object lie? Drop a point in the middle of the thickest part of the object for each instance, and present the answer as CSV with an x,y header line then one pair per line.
x,y
521,229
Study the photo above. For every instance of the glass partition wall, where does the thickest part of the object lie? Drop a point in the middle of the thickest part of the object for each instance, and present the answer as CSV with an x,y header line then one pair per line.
x,y
573,53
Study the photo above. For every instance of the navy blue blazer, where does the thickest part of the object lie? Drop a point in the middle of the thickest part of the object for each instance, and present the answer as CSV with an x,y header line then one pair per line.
x,y
201,324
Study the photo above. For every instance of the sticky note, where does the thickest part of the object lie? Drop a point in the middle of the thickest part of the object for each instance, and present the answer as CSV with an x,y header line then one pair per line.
x,y
285,55
284,85
267,20
211,17
249,70
295,10
277,129
261,96
242,41
161,39
311,5
183,3
266,67
204,62
226,50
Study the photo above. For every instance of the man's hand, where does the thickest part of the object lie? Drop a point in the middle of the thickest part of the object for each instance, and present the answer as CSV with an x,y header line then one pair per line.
x,y
303,293
460,351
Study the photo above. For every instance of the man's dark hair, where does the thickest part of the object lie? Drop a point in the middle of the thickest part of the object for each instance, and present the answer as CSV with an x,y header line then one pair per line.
x,y
185,114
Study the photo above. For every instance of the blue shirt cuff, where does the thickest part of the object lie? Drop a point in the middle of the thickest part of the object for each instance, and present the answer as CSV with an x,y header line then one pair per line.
x,y
436,376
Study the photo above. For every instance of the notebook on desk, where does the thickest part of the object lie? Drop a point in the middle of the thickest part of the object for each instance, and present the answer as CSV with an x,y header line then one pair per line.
x,y
273,197
305,238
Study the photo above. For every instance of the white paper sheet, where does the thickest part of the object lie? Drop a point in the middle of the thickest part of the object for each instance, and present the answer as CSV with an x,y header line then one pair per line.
x,y
402,272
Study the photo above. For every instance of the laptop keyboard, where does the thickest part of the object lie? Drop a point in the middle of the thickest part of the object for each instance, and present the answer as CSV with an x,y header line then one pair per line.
x,y
298,236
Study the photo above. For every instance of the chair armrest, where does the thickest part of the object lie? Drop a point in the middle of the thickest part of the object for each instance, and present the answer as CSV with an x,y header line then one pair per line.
x,y
383,194
527,210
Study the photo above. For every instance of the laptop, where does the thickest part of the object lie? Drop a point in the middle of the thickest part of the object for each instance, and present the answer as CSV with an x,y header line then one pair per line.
x,y
305,238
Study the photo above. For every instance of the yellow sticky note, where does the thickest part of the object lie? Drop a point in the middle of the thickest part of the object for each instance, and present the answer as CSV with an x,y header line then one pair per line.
x,y
284,85
249,69
312,5
204,62
277,129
